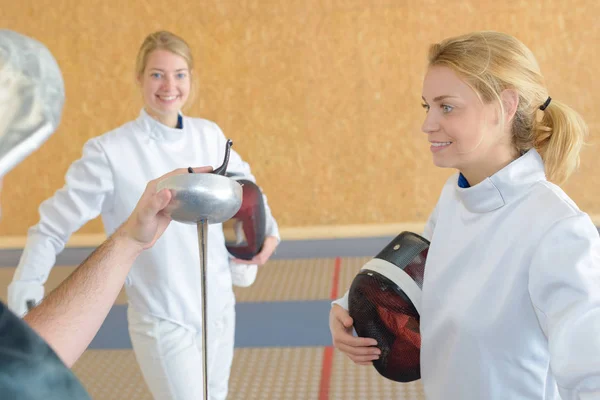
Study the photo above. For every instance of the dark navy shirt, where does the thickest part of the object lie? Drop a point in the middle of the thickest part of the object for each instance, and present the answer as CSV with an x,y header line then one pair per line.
x,y
29,368
462,181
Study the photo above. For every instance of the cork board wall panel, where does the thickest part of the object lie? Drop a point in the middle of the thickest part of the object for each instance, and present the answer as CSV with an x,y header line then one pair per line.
x,y
322,98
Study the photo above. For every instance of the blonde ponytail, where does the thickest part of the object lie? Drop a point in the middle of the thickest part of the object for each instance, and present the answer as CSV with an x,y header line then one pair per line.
x,y
558,135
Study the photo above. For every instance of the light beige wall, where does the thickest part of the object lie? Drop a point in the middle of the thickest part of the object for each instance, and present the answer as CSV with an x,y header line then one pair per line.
x,y
321,97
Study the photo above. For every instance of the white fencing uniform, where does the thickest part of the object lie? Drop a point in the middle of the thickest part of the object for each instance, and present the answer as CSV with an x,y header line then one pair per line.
x,y
511,292
163,286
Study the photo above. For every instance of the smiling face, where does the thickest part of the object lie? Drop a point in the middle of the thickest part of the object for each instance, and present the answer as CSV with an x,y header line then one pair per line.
x,y
464,133
165,85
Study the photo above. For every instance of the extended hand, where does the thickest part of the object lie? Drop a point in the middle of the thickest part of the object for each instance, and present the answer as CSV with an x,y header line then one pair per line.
x,y
148,221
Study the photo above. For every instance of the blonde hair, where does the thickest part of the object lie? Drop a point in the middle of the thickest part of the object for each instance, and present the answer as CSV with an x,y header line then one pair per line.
x,y
491,62
163,40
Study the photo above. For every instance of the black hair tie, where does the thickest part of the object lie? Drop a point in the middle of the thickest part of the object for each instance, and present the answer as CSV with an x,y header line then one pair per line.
x,y
545,105
190,170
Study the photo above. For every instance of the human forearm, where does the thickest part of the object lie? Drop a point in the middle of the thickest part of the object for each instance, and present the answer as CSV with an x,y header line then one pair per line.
x,y
71,315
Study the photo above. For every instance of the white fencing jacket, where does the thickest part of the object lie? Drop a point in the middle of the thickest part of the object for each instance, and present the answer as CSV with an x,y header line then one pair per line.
x,y
511,292
108,180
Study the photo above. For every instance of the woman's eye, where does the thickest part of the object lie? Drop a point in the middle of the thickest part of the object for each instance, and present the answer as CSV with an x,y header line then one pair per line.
x,y
425,106
447,108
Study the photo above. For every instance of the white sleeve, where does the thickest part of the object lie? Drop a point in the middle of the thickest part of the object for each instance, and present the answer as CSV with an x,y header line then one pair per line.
x,y
342,301
240,168
87,191
564,285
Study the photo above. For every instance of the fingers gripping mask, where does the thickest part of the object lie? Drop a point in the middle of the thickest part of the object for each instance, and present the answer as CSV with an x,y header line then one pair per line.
x,y
32,96
384,302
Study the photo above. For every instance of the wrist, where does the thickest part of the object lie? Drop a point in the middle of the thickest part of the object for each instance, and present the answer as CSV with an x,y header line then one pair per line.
x,y
275,238
272,240
126,244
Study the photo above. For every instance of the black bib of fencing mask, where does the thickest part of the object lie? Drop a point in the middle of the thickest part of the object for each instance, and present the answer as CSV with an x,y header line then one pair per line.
x,y
245,232
384,302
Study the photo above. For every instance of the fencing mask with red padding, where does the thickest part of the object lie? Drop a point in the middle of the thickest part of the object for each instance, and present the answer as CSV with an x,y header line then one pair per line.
x,y
385,301
245,232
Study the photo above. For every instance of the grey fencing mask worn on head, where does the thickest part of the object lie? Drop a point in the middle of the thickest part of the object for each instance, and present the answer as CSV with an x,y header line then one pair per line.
x,y
32,96
31,101
385,304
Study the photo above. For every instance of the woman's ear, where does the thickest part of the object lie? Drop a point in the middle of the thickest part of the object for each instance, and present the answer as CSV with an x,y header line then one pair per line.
x,y
510,102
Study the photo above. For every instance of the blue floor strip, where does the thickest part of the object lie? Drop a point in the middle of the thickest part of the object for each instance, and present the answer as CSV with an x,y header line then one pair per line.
x,y
272,324
287,249
291,249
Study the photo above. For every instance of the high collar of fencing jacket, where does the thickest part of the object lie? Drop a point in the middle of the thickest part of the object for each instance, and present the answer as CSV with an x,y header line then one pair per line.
x,y
505,186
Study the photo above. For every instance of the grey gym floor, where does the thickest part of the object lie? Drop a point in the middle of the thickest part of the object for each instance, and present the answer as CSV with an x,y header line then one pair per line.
x,y
283,345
